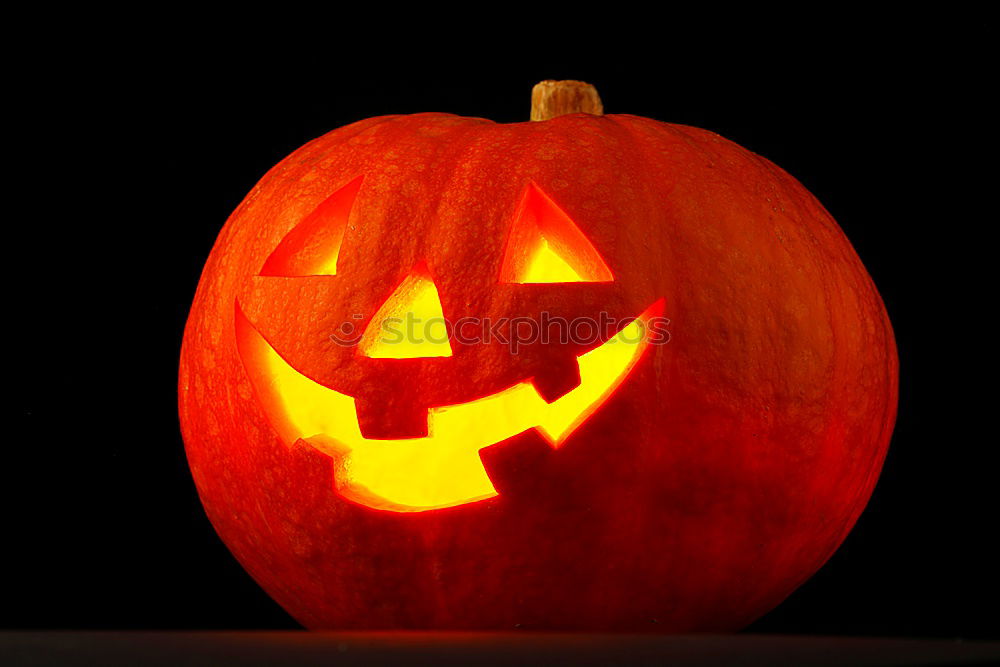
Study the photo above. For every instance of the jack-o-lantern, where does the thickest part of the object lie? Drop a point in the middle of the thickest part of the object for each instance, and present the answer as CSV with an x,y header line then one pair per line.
x,y
585,372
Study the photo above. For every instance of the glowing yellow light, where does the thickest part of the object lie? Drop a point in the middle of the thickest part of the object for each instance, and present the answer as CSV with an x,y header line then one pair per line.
x,y
444,468
410,324
313,246
329,266
546,266
546,246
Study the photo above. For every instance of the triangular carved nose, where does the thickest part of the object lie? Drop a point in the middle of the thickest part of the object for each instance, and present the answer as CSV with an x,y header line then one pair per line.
x,y
410,324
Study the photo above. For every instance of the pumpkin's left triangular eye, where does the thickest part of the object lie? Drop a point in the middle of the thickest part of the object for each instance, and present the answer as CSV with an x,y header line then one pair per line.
x,y
313,246
546,246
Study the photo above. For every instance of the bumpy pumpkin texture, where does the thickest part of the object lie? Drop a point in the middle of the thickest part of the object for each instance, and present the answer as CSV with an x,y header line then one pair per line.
x,y
720,474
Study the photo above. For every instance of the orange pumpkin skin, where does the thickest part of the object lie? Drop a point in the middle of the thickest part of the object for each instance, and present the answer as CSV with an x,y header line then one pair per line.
x,y
721,474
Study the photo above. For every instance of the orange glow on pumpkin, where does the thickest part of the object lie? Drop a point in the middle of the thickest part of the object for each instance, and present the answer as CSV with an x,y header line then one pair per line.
x,y
694,483
442,469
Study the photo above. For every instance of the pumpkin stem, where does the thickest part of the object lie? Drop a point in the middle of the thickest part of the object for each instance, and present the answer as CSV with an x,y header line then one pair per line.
x,y
557,98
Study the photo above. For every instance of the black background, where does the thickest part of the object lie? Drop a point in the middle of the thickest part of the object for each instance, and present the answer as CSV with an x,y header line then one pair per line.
x,y
138,151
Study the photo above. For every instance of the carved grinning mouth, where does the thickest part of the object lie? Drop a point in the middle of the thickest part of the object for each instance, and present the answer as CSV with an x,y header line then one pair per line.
x,y
442,469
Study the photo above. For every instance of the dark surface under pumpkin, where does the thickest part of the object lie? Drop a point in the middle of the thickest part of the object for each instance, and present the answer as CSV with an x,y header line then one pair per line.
x,y
454,648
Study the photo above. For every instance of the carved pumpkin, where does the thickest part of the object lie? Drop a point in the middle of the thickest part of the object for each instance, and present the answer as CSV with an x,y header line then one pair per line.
x,y
605,481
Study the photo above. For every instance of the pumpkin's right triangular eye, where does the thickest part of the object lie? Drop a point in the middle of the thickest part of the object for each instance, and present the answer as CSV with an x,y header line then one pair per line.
x,y
546,246
313,246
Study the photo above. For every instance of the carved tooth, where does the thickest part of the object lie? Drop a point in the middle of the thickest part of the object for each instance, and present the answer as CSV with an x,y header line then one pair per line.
x,y
391,419
559,377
